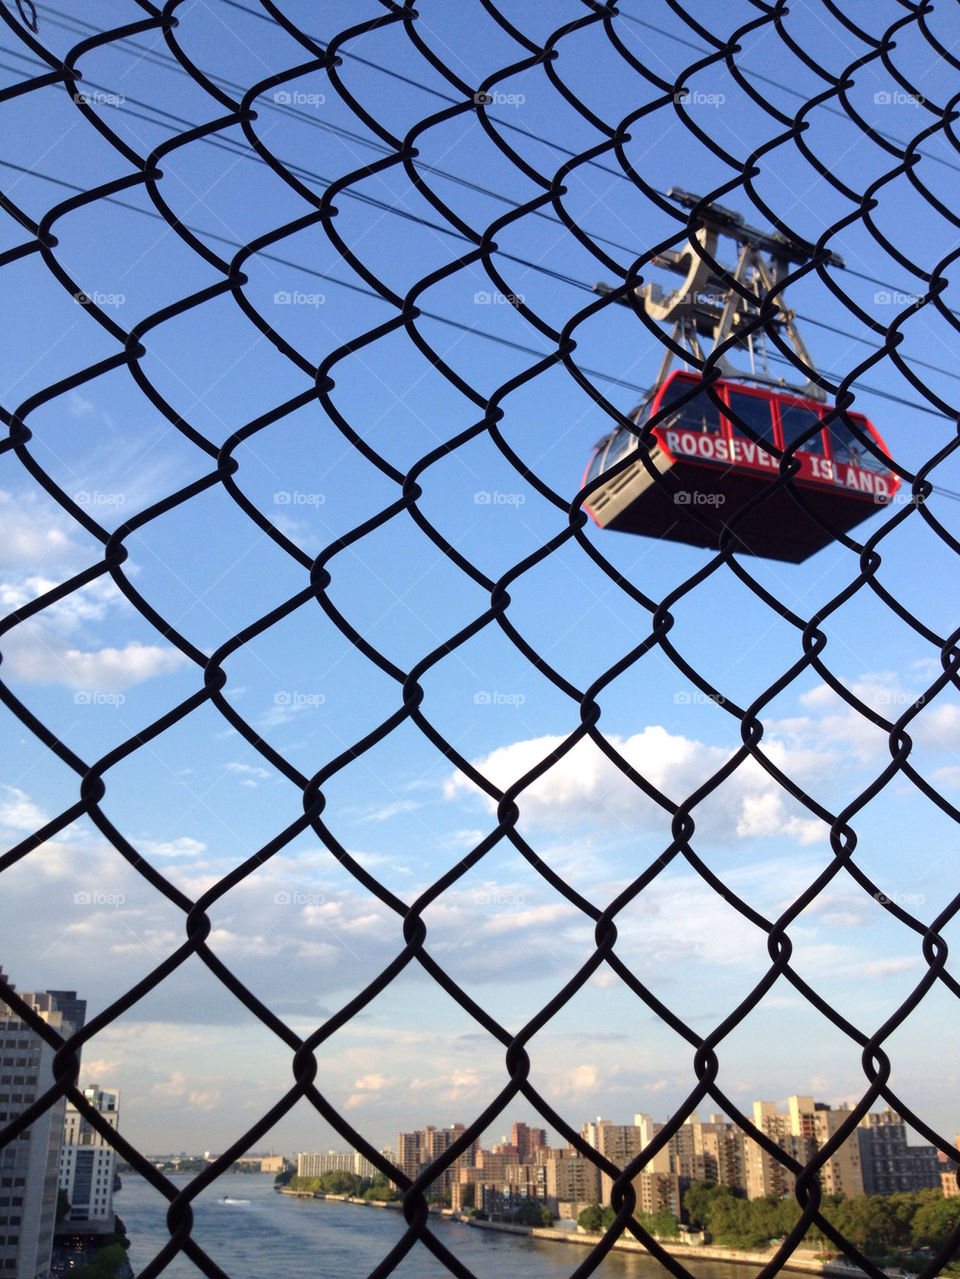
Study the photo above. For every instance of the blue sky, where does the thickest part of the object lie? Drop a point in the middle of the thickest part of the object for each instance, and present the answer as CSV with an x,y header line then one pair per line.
x,y
302,932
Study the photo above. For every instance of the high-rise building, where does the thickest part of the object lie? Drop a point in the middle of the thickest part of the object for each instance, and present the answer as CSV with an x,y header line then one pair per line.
x,y
527,1141
74,1010
571,1179
409,1153
718,1151
889,1164
656,1185
948,1172
417,1150
29,1162
800,1132
352,1161
88,1161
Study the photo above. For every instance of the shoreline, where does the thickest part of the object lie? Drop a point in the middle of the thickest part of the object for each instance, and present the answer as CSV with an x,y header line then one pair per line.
x,y
343,1199
703,1252
808,1264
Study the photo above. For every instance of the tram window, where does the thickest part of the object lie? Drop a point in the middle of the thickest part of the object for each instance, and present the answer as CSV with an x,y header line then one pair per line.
x,y
698,414
796,421
754,410
848,451
596,463
621,443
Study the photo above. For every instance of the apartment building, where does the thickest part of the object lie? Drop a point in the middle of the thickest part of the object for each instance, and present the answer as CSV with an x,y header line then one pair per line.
x,y
87,1167
889,1163
29,1163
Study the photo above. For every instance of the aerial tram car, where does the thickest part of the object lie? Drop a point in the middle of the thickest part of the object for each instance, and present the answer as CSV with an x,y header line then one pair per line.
x,y
706,453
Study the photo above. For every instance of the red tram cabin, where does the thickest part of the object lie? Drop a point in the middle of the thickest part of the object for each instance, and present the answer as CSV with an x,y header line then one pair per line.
x,y
709,469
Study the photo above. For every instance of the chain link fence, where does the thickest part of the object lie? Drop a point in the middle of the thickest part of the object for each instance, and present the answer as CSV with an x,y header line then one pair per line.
x,y
308,355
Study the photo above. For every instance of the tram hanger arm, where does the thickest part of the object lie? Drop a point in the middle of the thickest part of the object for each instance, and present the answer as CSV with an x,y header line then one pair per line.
x,y
732,224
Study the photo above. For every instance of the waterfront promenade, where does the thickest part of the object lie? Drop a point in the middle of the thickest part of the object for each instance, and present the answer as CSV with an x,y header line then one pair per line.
x,y
804,1260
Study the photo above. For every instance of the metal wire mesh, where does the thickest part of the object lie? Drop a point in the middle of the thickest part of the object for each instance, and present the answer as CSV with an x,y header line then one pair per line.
x,y
336,222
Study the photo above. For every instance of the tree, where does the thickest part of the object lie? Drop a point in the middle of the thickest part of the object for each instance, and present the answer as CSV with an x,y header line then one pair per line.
x,y
381,1190
283,1178
934,1220
105,1265
532,1213
591,1219
734,1222
661,1223
63,1205
120,1233
696,1203
664,1224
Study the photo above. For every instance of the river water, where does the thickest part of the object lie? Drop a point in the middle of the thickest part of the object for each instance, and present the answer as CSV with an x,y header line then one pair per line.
x,y
277,1236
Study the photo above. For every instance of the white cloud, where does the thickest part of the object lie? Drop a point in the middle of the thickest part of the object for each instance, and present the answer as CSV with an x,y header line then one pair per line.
x,y
182,846
456,1084
574,1081
95,1072
36,532
367,1089
18,811
171,1088
585,786
391,810
371,1083
78,405
249,774
938,727
45,659
88,604
200,1099
838,725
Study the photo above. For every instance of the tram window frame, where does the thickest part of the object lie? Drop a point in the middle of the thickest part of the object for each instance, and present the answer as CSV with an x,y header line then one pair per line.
x,y
686,420
865,460
734,430
595,465
816,444
619,434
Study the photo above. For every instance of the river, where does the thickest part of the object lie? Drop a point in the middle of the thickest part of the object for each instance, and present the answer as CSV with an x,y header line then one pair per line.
x,y
284,1237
